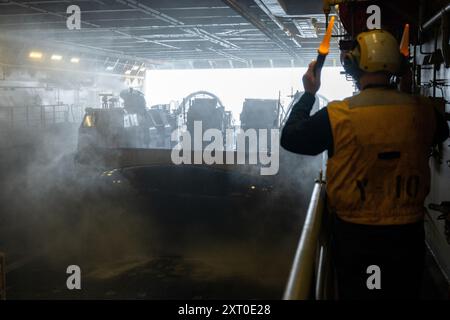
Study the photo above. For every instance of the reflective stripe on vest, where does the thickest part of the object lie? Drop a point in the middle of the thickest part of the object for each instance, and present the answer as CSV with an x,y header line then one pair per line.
x,y
379,173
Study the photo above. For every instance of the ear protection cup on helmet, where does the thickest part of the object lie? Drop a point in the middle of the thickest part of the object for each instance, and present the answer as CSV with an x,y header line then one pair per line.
x,y
351,64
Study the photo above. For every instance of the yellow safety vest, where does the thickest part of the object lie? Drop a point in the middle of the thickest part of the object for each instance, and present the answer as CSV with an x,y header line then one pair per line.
x,y
379,172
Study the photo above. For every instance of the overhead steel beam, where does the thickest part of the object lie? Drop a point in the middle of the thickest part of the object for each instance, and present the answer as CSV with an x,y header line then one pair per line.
x,y
228,55
166,18
278,22
130,28
244,11
23,5
130,42
212,38
150,11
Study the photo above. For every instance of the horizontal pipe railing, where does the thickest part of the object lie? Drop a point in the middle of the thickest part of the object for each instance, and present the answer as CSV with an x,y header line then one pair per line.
x,y
38,116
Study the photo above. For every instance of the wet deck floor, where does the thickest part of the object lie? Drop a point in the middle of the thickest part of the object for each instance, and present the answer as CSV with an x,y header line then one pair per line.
x,y
144,278
228,244
208,269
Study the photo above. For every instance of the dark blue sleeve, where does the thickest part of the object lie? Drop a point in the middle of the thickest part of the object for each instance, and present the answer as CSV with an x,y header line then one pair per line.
x,y
305,134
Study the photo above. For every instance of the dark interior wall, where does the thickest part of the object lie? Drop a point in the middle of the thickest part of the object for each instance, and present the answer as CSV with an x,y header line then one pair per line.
x,y
440,171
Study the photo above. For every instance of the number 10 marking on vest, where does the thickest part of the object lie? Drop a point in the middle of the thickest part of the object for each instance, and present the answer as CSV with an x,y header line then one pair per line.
x,y
411,187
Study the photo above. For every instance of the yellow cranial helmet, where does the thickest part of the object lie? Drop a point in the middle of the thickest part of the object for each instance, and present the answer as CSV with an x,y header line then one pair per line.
x,y
376,50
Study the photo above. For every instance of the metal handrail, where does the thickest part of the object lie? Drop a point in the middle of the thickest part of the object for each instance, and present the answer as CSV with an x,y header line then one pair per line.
x,y
37,116
324,271
305,267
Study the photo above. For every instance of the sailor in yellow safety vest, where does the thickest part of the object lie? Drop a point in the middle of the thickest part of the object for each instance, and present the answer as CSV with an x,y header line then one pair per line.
x,y
377,178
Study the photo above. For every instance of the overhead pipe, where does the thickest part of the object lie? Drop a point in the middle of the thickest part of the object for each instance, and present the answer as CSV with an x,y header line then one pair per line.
x,y
435,18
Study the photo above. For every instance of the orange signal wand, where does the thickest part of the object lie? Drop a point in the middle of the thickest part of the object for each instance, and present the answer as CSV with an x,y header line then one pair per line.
x,y
324,47
404,44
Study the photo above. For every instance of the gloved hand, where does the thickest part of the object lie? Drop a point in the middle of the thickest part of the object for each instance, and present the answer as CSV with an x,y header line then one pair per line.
x,y
311,81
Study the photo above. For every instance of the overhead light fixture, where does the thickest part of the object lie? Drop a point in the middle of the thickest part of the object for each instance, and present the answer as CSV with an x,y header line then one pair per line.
x,y
75,60
109,68
56,57
128,72
35,55
135,68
